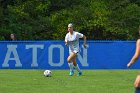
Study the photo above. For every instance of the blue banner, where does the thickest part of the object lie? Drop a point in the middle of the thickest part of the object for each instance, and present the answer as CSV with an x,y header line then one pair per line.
x,y
53,55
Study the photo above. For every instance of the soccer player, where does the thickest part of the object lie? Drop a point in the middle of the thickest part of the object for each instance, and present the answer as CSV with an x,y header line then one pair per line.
x,y
72,40
134,58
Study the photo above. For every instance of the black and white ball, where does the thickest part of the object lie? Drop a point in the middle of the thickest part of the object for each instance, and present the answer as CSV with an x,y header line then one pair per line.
x,y
47,73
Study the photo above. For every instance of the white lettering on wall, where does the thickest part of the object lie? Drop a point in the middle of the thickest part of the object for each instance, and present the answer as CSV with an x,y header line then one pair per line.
x,y
12,55
12,49
83,60
34,53
50,55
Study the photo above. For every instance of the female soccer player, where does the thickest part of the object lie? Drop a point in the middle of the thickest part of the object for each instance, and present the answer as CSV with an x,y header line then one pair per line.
x,y
134,58
72,40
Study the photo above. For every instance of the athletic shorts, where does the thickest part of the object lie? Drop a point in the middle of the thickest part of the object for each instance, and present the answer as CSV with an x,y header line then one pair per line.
x,y
76,52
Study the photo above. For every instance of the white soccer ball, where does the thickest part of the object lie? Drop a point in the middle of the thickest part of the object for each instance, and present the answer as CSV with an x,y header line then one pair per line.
x,y
47,73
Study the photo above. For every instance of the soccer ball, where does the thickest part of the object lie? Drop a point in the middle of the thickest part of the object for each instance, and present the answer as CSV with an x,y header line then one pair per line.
x,y
47,73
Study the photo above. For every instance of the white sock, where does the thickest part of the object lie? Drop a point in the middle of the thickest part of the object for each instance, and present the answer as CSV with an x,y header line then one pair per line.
x,y
71,66
77,68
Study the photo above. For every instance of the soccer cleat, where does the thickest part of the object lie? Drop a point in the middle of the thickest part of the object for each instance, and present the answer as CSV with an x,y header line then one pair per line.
x,y
79,73
71,73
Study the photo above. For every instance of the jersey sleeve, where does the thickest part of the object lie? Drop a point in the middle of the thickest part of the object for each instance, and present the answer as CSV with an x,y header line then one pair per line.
x,y
80,35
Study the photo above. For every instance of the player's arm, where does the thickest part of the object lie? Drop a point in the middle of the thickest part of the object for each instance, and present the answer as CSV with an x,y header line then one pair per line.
x,y
85,39
80,35
136,55
66,42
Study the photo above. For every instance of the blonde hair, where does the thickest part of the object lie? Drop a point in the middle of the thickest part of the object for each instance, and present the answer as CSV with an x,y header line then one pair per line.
x,y
70,25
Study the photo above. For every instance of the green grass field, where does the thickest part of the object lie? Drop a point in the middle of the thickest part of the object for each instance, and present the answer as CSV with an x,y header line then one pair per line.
x,y
92,81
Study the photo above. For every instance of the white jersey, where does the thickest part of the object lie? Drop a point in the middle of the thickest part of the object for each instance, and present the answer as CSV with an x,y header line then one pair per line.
x,y
73,41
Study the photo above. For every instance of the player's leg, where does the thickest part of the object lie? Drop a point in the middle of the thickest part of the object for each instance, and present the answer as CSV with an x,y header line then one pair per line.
x,y
77,67
70,62
137,84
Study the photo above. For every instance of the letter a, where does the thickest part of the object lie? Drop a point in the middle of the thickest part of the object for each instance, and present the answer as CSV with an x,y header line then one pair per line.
x,y
12,49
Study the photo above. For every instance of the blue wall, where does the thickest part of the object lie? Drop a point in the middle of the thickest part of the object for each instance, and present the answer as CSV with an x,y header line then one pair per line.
x,y
53,55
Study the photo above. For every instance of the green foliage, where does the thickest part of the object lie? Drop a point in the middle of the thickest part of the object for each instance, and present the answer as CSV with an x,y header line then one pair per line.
x,y
48,19
126,19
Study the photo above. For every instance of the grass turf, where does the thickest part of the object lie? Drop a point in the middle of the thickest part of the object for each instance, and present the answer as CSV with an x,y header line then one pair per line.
x,y
92,81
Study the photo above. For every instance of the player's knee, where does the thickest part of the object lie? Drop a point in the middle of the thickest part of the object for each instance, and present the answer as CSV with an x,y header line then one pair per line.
x,y
137,82
136,85
68,59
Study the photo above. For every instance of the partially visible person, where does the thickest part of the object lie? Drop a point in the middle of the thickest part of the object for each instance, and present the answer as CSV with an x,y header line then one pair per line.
x,y
72,40
13,37
132,61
